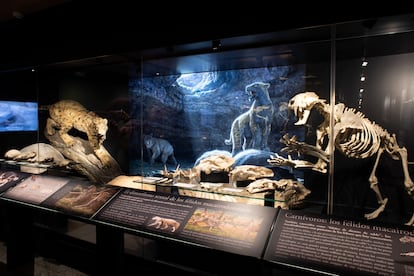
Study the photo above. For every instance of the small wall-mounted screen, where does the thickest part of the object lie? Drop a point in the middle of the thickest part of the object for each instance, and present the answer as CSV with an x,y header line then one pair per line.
x,y
18,116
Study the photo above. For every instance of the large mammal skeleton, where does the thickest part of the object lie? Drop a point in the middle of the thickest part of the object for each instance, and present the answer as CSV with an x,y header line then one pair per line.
x,y
353,135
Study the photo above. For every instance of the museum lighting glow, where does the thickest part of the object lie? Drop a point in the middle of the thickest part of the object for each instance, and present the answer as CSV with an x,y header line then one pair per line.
x,y
197,82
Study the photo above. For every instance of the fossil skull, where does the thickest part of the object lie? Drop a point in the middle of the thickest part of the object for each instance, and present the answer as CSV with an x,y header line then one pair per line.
x,y
289,194
302,104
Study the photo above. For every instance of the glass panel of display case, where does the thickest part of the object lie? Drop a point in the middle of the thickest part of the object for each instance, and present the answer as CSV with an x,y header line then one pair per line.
x,y
180,111
214,118
374,145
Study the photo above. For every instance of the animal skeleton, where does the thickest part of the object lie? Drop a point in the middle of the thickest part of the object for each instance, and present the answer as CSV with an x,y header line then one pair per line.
x,y
353,135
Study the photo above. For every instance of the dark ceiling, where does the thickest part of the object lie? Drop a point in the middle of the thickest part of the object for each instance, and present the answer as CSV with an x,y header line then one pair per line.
x,y
18,9
36,32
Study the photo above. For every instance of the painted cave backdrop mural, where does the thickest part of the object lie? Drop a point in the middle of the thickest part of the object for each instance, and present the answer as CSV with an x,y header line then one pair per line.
x,y
194,112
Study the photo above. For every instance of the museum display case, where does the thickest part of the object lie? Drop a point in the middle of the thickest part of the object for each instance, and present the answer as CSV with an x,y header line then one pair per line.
x,y
262,148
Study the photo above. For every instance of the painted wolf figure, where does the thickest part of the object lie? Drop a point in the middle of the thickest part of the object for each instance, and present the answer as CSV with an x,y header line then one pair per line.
x,y
159,148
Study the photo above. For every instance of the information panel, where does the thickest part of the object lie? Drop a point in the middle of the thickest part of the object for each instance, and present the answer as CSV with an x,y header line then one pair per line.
x,y
10,178
80,197
232,227
318,242
36,188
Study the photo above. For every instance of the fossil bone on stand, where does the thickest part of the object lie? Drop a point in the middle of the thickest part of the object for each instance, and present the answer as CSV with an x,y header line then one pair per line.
x,y
97,165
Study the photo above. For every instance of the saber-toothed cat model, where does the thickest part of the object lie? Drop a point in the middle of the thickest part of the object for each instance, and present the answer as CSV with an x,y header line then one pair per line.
x,y
68,114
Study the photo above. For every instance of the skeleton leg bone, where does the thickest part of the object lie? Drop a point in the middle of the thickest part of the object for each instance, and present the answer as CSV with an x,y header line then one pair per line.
x,y
373,180
408,183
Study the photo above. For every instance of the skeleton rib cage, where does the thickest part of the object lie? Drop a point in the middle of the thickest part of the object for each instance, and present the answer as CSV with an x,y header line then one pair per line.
x,y
358,137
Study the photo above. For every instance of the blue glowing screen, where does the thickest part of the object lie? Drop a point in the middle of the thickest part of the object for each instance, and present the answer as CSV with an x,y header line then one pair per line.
x,y
18,116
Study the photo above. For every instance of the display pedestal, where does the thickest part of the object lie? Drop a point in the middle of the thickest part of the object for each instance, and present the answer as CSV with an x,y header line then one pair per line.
x,y
110,250
19,241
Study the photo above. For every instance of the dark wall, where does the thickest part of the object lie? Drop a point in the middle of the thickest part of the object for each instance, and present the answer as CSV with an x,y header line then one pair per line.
x,y
79,29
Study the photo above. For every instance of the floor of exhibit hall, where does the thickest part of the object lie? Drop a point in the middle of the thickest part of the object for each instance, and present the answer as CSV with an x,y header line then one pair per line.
x,y
42,266
45,266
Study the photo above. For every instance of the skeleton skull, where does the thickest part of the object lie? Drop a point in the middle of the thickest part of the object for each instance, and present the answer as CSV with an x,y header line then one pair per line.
x,y
289,194
301,104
